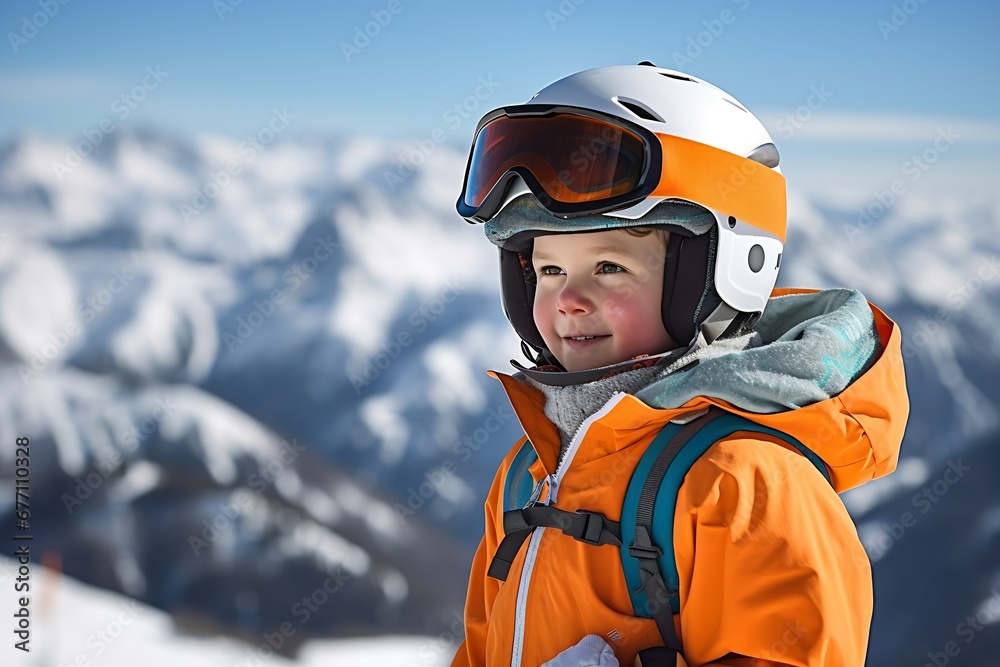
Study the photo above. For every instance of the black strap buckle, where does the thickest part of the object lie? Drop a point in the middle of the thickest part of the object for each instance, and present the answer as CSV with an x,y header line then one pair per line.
x,y
644,552
642,546
593,525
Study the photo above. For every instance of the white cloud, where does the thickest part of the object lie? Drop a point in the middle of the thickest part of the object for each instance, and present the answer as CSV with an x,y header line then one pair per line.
x,y
829,125
42,89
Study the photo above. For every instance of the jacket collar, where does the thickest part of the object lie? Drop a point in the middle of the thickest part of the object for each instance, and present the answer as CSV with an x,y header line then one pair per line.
x,y
857,433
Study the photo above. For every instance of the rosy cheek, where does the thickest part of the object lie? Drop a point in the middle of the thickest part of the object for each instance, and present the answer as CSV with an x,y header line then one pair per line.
x,y
542,311
621,307
632,311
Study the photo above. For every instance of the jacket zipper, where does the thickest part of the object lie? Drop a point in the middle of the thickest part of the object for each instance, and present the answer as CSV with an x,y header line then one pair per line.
x,y
552,481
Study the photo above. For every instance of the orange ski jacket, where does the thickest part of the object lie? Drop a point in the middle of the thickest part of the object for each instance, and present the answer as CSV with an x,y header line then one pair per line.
x,y
772,571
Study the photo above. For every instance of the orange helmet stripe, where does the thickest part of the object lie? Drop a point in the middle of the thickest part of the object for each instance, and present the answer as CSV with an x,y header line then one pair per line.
x,y
717,179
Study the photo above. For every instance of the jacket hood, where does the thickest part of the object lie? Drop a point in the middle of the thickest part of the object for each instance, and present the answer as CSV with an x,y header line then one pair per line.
x,y
822,366
805,348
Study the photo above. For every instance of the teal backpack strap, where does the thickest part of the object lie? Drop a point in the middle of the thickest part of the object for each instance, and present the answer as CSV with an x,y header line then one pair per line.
x,y
517,489
647,551
519,482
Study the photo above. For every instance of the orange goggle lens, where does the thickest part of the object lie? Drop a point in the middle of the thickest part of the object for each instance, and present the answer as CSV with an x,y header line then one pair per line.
x,y
575,159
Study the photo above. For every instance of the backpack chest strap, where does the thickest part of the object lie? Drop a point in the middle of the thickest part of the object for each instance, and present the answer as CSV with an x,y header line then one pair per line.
x,y
588,527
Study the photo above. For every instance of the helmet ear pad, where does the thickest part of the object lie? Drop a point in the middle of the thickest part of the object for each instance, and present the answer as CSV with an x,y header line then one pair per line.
x,y
518,295
688,283
689,292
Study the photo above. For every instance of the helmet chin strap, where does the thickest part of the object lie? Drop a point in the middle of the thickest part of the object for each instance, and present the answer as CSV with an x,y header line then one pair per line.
x,y
539,356
714,326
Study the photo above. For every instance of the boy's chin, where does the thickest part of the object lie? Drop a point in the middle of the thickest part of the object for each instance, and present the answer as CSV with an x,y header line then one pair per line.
x,y
579,363
601,352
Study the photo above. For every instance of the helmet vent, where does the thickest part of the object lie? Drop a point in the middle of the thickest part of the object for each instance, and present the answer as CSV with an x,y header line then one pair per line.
x,y
639,110
736,104
679,77
766,154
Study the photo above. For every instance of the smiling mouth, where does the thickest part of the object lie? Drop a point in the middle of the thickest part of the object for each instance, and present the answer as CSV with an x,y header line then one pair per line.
x,y
583,341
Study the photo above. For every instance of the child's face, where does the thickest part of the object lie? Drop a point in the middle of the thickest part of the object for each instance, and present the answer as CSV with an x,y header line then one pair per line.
x,y
604,284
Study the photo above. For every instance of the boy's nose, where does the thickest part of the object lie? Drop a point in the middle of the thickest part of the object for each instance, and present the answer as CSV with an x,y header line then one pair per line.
x,y
572,299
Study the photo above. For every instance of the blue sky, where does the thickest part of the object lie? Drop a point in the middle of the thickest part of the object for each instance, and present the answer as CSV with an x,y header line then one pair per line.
x,y
892,73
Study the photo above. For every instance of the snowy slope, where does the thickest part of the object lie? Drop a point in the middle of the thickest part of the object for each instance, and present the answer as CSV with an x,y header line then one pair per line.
x,y
76,624
173,496
313,300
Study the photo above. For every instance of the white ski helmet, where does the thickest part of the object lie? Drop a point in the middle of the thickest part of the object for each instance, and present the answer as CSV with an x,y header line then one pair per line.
x,y
635,145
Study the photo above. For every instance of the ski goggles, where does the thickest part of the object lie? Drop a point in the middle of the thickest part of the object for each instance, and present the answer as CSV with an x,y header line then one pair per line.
x,y
581,162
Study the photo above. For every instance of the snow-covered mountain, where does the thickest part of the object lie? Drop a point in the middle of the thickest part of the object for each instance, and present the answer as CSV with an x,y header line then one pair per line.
x,y
291,343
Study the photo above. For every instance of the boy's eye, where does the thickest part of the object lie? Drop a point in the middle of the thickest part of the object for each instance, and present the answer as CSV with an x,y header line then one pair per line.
x,y
549,271
608,267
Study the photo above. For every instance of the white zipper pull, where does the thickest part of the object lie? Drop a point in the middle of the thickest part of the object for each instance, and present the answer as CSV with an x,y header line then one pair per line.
x,y
553,489
536,493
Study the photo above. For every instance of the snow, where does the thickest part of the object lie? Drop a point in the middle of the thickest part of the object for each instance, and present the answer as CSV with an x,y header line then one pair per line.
x,y
144,170
56,413
141,477
365,334
38,299
233,435
321,506
910,473
311,537
75,624
453,382
381,414
174,330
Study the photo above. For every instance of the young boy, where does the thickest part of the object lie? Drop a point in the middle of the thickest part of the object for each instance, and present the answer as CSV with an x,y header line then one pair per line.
x,y
640,216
